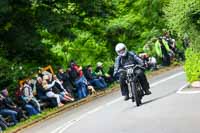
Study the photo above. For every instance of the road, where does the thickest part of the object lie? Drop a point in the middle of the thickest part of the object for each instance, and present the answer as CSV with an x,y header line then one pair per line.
x,y
165,111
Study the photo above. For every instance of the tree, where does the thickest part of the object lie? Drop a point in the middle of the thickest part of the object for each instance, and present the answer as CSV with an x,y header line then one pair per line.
x,y
183,16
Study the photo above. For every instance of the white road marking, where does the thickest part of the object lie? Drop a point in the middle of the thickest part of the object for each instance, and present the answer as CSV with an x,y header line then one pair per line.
x,y
189,92
68,124
165,79
180,91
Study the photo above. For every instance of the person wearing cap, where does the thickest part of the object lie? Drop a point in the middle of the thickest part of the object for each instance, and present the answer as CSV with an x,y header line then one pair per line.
x,y
99,71
95,81
126,57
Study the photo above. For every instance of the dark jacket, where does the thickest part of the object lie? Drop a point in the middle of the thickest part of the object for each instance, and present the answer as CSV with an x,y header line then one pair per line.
x,y
130,58
67,82
40,90
6,103
89,75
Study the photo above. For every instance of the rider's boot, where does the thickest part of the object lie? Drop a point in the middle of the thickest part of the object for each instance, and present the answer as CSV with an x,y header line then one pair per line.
x,y
133,99
126,97
147,92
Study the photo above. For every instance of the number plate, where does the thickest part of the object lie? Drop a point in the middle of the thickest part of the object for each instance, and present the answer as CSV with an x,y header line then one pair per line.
x,y
130,70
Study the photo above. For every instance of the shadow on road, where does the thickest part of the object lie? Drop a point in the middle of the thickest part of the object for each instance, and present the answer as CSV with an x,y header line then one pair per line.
x,y
160,97
153,100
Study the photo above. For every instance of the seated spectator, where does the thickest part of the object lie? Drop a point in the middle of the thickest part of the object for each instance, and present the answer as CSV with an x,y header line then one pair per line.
x,y
9,104
30,109
62,91
178,54
76,74
28,96
97,82
145,59
41,94
152,63
55,88
49,92
4,111
99,71
67,83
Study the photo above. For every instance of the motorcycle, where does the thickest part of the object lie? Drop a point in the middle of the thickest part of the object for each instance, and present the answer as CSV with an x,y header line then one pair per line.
x,y
133,82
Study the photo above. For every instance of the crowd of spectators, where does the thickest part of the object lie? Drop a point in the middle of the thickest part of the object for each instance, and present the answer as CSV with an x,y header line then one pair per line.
x,y
49,90
166,51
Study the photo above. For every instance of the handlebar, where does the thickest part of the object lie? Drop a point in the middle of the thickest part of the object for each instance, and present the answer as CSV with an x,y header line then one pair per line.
x,y
134,65
128,66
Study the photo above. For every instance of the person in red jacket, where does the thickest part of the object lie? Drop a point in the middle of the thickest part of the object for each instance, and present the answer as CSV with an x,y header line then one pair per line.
x,y
80,81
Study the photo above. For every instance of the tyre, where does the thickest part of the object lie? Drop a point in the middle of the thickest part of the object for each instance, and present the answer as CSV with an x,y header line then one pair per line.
x,y
135,93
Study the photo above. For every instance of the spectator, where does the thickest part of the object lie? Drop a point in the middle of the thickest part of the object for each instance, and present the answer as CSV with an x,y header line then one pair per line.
x,y
162,50
64,77
145,59
9,104
186,41
171,42
4,111
30,109
95,81
28,95
41,94
55,88
152,63
62,91
49,92
79,80
99,71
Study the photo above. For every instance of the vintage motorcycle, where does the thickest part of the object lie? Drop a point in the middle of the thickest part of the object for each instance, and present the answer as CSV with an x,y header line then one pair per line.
x,y
133,82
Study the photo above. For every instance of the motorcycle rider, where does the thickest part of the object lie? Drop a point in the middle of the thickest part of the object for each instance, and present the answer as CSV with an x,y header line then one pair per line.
x,y
126,57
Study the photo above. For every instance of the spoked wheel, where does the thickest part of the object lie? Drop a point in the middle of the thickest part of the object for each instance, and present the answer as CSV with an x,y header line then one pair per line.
x,y
135,93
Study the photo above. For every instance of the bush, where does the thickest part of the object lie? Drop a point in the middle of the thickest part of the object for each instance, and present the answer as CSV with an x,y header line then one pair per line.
x,y
192,65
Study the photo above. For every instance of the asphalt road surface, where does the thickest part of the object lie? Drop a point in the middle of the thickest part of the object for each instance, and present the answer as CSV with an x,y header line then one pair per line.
x,y
164,111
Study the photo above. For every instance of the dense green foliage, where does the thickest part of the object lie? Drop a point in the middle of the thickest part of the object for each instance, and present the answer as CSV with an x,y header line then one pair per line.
x,y
36,33
192,65
40,32
183,16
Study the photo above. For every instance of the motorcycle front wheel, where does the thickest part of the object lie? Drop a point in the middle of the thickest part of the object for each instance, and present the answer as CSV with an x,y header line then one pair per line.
x,y
135,93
